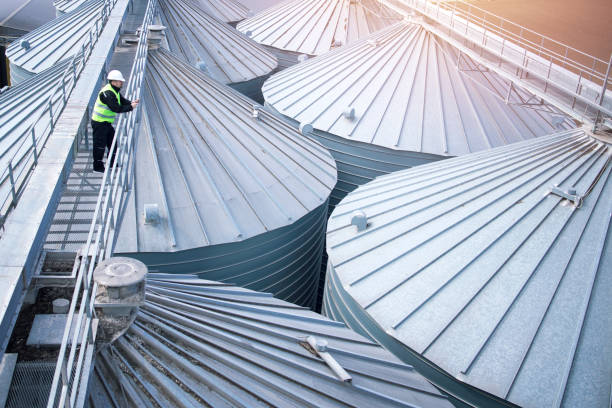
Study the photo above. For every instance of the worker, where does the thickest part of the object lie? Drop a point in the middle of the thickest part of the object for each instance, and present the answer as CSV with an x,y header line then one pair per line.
x,y
108,104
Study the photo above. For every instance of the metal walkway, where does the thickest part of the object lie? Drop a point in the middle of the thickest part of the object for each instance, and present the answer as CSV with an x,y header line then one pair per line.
x,y
573,81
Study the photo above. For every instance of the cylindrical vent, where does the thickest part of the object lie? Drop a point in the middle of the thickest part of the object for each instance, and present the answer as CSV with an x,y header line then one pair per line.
x,y
61,306
120,279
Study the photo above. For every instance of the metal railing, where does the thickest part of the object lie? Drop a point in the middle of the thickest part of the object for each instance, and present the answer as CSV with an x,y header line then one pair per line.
x,y
21,165
100,240
571,79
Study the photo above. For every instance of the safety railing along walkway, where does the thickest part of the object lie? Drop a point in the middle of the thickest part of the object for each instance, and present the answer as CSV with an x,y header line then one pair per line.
x,y
577,83
69,386
25,159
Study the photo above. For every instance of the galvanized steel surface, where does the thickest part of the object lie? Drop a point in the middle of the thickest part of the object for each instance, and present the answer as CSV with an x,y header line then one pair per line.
x,y
20,107
201,343
406,89
225,175
228,11
315,27
490,268
240,198
58,39
218,49
67,6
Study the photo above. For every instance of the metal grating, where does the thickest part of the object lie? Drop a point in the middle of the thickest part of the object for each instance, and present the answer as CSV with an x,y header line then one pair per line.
x,y
31,384
70,225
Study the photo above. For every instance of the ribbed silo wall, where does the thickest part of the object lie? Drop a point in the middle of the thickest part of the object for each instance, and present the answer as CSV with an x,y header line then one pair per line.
x,y
285,262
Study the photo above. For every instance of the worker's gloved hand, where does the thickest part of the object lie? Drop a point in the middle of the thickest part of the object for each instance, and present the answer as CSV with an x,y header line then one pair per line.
x,y
135,103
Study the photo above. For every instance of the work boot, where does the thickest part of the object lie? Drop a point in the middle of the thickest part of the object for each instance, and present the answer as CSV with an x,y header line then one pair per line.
x,y
98,167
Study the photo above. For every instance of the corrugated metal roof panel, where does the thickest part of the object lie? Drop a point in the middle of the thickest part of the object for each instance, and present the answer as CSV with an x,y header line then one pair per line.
x,y
228,11
406,93
477,266
56,40
199,343
226,54
315,27
20,107
235,193
67,6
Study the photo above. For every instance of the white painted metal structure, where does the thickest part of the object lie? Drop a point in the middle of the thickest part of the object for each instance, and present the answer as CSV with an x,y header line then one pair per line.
x,y
240,196
489,272
200,343
400,98
315,27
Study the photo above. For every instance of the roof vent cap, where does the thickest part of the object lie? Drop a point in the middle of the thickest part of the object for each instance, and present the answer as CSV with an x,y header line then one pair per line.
x,y
25,44
349,113
359,219
151,213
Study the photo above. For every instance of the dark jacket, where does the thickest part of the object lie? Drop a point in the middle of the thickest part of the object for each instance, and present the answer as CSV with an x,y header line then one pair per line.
x,y
110,100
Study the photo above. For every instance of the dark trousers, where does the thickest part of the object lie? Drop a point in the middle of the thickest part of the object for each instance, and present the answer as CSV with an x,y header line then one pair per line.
x,y
103,135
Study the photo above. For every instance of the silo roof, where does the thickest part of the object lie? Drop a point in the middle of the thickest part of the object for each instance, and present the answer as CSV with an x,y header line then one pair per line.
x,y
67,6
226,54
491,268
57,40
201,343
20,107
315,27
217,173
401,89
228,11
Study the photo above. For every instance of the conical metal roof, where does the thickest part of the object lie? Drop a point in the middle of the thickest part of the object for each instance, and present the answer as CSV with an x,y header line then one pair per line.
x,y
493,269
228,11
220,176
224,53
67,6
315,27
406,89
20,107
55,41
200,343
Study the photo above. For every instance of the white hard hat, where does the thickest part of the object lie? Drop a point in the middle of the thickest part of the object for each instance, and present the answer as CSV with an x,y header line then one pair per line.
x,y
115,75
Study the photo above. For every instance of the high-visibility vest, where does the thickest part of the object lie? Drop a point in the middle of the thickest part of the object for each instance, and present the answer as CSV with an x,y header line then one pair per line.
x,y
101,112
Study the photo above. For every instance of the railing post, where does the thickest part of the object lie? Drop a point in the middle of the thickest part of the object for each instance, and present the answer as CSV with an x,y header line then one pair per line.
x,y
33,132
602,93
51,112
12,180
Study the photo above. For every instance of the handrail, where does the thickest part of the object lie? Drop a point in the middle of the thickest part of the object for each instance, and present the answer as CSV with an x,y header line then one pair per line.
x,y
574,80
50,114
100,240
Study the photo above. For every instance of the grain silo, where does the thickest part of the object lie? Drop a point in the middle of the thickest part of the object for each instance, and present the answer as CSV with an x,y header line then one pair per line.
x,y
21,106
228,11
491,273
401,98
201,343
223,188
66,6
295,30
216,48
55,41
